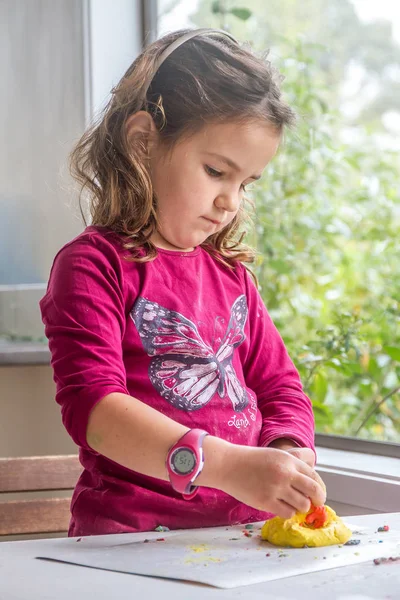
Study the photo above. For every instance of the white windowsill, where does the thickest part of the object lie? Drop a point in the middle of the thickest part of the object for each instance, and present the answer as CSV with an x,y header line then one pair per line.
x,y
364,480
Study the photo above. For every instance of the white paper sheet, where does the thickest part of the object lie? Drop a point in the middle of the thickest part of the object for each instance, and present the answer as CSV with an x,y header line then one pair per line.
x,y
221,557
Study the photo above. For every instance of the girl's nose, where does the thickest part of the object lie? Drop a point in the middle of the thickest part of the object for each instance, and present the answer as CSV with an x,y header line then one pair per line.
x,y
229,202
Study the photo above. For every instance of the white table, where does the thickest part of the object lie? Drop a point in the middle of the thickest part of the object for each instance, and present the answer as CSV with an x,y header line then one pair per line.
x,y
23,577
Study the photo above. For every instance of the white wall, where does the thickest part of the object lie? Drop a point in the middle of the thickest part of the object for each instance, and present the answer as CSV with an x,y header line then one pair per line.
x,y
41,114
59,61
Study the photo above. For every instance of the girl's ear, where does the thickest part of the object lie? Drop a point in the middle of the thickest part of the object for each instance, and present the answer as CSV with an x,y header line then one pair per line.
x,y
141,131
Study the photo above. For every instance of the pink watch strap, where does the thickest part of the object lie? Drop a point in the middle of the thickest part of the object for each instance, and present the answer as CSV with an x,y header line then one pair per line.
x,y
185,462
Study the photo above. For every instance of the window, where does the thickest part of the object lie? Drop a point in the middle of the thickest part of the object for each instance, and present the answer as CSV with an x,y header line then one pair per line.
x,y
328,207
52,89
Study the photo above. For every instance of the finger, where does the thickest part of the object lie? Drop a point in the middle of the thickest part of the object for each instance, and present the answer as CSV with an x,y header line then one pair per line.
x,y
321,483
284,510
319,499
299,501
309,487
305,469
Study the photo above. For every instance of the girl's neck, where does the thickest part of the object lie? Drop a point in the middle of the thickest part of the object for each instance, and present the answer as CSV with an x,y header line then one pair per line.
x,y
160,242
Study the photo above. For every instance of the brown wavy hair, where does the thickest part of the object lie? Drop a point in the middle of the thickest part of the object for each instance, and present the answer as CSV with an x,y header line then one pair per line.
x,y
207,79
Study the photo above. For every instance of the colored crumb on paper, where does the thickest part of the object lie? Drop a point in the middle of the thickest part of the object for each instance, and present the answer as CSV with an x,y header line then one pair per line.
x,y
202,560
162,528
386,559
200,548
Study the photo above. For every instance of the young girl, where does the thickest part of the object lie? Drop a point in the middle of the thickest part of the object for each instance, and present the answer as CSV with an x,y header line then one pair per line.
x,y
171,376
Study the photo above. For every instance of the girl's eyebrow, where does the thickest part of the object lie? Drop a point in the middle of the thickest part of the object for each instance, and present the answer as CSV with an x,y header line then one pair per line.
x,y
230,163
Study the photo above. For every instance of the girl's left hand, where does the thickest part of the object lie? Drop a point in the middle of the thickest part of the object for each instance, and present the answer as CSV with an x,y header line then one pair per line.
x,y
305,454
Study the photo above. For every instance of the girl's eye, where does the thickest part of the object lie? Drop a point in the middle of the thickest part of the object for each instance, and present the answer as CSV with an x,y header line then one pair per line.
x,y
212,172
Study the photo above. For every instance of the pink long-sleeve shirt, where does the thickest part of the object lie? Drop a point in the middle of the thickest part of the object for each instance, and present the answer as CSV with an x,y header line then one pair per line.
x,y
187,336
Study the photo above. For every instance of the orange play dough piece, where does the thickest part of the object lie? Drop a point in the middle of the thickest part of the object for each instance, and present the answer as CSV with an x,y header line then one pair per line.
x,y
317,516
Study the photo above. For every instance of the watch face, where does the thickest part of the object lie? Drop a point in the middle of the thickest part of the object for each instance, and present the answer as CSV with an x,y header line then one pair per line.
x,y
183,461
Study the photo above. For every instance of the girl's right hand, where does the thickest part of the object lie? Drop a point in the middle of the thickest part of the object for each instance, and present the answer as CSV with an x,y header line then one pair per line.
x,y
271,480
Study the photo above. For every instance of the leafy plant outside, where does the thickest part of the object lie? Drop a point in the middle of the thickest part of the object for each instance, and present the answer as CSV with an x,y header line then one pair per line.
x,y
327,219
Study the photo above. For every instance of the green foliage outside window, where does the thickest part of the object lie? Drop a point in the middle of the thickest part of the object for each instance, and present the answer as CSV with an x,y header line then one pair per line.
x,y
327,230
327,225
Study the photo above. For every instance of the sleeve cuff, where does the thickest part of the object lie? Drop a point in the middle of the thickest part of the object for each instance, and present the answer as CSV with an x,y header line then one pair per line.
x,y
286,437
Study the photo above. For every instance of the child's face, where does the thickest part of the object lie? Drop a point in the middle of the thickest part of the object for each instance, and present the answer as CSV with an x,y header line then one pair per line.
x,y
200,184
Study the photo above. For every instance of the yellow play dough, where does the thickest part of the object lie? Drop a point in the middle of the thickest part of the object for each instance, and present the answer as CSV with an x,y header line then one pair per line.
x,y
290,532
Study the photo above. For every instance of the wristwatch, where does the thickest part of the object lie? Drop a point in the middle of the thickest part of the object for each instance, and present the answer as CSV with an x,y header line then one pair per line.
x,y
185,461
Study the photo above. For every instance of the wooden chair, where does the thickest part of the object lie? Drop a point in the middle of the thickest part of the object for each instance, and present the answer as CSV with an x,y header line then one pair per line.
x,y
33,474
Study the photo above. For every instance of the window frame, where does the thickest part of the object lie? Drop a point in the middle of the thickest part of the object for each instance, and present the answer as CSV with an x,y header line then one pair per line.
x,y
351,444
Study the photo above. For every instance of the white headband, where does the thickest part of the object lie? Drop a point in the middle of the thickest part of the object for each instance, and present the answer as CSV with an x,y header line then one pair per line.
x,y
178,42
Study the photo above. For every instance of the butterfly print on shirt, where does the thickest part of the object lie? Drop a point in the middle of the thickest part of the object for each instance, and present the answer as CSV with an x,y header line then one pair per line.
x,y
184,369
